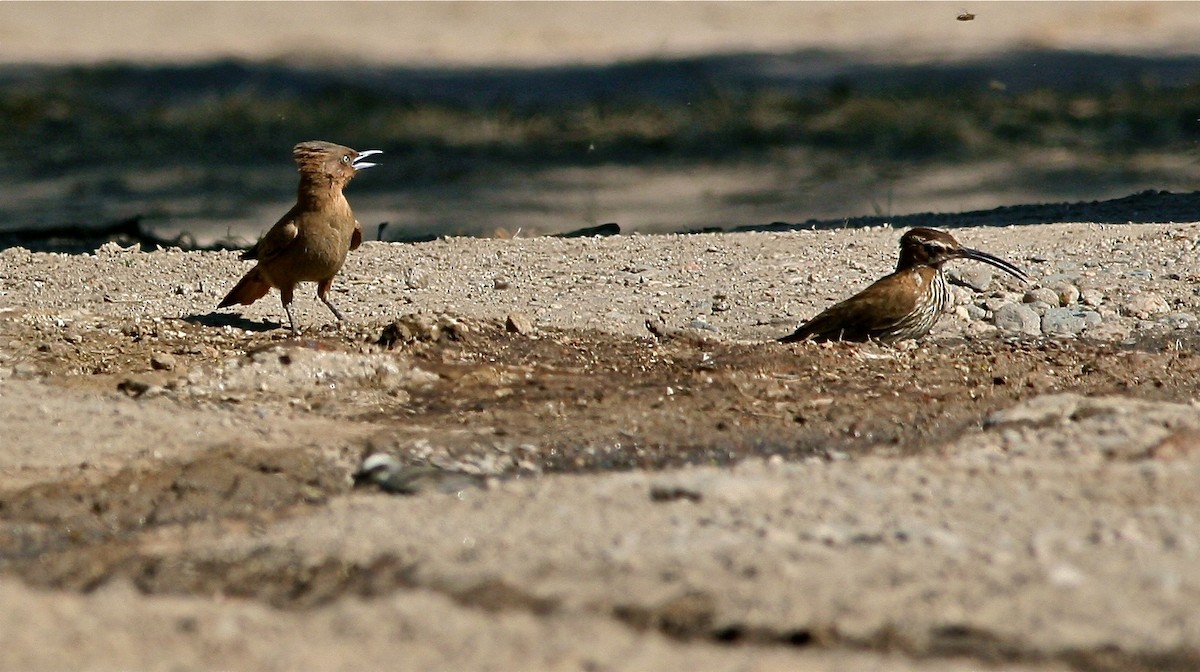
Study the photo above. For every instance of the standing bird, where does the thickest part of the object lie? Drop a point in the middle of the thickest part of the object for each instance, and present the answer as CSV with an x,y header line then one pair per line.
x,y
310,242
904,304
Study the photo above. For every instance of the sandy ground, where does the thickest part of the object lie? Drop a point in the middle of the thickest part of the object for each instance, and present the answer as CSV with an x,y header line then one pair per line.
x,y
175,490
175,482
537,33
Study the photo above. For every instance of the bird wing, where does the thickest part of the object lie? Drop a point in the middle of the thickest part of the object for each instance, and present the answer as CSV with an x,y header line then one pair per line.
x,y
868,314
356,236
276,240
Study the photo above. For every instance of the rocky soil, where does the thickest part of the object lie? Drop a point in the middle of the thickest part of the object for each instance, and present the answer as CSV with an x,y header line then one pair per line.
x,y
661,486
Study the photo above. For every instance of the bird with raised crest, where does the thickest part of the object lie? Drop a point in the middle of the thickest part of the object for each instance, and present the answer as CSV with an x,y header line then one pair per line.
x,y
904,304
310,242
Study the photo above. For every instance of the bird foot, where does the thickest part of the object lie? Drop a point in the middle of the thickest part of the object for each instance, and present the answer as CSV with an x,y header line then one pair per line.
x,y
332,308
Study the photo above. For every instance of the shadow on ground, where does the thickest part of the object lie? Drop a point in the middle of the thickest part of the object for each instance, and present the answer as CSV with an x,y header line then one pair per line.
x,y
657,145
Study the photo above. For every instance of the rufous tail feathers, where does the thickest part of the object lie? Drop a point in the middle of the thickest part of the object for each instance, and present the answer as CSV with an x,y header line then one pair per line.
x,y
252,287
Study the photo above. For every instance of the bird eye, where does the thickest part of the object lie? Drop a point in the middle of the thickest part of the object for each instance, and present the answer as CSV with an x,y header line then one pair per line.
x,y
345,158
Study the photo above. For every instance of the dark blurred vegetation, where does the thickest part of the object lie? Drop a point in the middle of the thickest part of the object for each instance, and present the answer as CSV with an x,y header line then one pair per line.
x,y
80,116
440,125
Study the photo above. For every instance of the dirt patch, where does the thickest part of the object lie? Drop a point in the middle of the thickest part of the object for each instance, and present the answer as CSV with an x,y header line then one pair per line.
x,y
696,484
503,404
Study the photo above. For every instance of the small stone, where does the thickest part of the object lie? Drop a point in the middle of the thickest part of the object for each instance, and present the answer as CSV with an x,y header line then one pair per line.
x,y
415,278
1068,321
500,282
1017,318
1178,320
662,492
977,278
960,296
1111,331
1145,305
1091,297
719,303
518,323
113,248
994,303
408,329
1040,307
657,327
1064,575
135,387
1044,294
701,325
161,361
25,371
1068,294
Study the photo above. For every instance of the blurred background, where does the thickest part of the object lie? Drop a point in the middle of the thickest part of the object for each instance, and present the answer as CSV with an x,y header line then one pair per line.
x,y
514,118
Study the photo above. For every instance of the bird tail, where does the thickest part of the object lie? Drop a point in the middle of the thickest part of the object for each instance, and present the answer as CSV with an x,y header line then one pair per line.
x,y
249,254
252,287
796,336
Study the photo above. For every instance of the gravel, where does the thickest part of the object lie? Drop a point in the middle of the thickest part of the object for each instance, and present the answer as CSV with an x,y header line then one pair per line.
x,y
745,286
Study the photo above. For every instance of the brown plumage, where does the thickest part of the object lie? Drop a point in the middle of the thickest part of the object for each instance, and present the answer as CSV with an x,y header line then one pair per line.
x,y
906,303
310,242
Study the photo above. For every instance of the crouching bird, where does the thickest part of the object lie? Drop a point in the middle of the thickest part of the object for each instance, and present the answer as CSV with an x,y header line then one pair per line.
x,y
310,242
904,304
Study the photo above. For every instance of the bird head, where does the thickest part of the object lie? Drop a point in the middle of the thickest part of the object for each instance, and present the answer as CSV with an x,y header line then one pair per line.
x,y
336,163
931,247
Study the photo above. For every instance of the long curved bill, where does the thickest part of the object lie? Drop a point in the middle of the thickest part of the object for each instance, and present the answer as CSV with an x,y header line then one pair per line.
x,y
359,164
977,255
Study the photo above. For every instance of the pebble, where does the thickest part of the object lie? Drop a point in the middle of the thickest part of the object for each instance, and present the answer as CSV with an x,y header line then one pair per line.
x,y
1144,305
994,303
1068,294
25,371
1068,321
1178,320
1091,297
1044,294
710,284
162,361
135,386
519,323
976,277
420,327
1017,318
975,312
1040,307
415,278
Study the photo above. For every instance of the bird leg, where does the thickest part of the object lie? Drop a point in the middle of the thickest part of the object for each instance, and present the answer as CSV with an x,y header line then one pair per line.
x,y
285,295
322,294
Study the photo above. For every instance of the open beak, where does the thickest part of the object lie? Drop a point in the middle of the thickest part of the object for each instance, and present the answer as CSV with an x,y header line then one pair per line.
x,y
968,253
359,164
